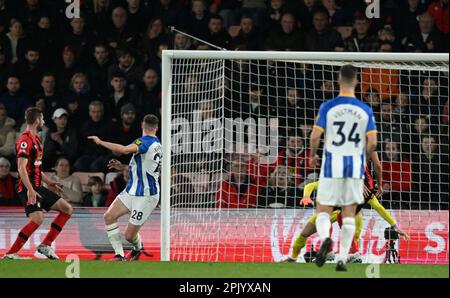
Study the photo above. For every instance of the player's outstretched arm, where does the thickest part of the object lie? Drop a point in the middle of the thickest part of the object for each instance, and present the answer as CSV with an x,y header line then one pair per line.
x,y
376,205
117,148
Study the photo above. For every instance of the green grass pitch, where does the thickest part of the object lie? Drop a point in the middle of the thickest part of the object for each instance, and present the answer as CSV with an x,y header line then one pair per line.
x,y
88,269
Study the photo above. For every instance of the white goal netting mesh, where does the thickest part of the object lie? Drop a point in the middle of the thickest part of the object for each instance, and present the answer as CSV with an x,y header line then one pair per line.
x,y
239,164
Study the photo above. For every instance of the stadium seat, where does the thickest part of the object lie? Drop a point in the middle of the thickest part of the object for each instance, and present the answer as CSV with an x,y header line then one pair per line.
x,y
234,31
84,177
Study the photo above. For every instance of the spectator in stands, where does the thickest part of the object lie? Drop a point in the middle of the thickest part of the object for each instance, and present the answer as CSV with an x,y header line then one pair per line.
x,y
50,95
407,16
386,36
30,71
13,42
281,192
127,130
169,11
439,11
80,89
372,98
396,173
138,14
196,21
248,38
80,39
431,174
238,191
154,36
68,67
419,128
228,10
322,37
402,109
119,34
361,39
428,39
94,158
286,37
273,14
305,12
71,185
291,111
258,106
147,97
217,34
97,71
5,67
100,16
60,140
4,16
254,8
120,95
44,38
128,65
8,191
7,133
14,100
97,195
336,13
390,128
296,157
430,102
182,42
30,12
118,185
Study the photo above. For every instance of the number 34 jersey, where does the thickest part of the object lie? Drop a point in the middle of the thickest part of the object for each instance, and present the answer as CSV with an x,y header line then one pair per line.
x,y
145,167
346,121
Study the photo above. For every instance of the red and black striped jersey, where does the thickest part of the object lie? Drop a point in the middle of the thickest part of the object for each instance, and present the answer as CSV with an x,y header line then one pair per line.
x,y
29,146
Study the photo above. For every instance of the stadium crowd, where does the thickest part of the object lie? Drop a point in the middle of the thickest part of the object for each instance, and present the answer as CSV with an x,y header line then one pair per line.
x,y
99,74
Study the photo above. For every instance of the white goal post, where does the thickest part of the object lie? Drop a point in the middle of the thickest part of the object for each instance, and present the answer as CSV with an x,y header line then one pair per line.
x,y
212,71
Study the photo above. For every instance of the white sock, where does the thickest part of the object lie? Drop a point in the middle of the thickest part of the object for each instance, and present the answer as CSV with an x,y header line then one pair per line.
x,y
137,243
323,225
113,232
347,234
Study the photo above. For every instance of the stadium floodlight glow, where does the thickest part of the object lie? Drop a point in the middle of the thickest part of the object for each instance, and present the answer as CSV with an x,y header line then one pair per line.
x,y
202,91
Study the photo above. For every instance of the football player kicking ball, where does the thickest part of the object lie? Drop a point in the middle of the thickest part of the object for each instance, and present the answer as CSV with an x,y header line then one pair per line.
x,y
141,194
33,194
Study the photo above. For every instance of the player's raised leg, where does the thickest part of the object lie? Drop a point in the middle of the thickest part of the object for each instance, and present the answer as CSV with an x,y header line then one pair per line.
x,y
117,209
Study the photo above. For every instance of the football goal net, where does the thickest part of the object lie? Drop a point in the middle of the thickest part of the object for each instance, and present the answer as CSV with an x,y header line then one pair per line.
x,y
235,133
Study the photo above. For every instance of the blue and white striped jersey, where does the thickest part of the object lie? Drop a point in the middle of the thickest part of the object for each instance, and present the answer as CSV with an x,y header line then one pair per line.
x,y
145,167
346,121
